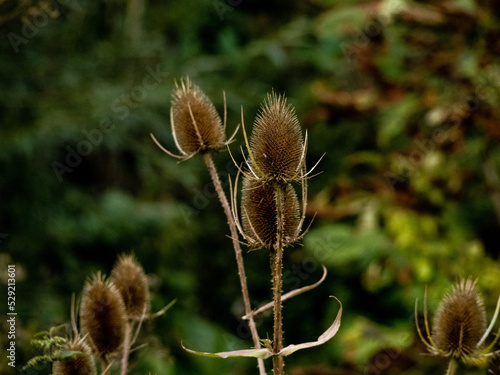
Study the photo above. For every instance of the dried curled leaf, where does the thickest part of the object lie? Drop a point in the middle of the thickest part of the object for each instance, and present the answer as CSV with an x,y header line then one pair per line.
x,y
266,353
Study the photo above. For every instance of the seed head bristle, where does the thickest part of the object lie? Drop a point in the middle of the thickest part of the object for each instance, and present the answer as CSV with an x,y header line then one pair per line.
x,y
259,213
102,315
130,280
494,364
197,126
276,141
460,321
79,364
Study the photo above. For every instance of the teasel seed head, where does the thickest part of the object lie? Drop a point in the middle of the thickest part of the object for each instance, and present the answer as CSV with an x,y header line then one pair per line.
x,y
494,364
260,216
460,321
130,280
276,141
196,125
102,315
79,364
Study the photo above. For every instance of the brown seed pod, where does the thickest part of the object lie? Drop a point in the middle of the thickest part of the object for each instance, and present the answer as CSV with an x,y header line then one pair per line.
x,y
260,216
79,364
130,280
197,126
460,321
102,315
276,141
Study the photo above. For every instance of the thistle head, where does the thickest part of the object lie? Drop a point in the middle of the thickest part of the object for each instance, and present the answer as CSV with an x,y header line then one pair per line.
x,y
276,143
460,321
196,126
102,315
260,213
79,364
130,280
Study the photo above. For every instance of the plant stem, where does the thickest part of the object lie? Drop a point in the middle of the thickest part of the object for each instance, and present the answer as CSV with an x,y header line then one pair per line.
x,y
276,270
452,367
239,258
126,348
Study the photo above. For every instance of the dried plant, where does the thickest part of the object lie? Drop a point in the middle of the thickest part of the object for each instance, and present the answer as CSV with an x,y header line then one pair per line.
x,y
102,317
459,326
197,129
131,282
80,363
270,213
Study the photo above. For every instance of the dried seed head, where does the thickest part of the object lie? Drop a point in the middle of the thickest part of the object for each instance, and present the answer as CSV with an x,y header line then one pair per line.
x,y
276,141
260,216
129,278
102,315
494,364
196,124
460,321
79,364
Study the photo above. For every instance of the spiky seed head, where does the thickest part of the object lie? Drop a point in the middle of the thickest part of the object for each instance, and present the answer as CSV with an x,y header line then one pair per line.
x,y
102,315
197,126
276,140
260,215
79,364
460,321
129,278
494,364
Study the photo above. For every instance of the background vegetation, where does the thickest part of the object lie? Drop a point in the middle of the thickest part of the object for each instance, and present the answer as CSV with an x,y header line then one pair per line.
x,y
402,96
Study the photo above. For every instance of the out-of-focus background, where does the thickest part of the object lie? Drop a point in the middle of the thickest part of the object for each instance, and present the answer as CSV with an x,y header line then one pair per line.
x,y
401,96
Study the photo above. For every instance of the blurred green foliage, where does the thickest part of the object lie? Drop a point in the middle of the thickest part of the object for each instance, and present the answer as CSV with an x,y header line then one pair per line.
x,y
401,96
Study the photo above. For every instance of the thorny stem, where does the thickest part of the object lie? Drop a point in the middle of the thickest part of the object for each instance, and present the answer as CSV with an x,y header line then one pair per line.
x,y
126,348
239,258
276,269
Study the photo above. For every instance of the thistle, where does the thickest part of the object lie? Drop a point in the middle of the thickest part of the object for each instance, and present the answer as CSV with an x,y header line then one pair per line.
x,y
81,363
459,327
102,316
130,280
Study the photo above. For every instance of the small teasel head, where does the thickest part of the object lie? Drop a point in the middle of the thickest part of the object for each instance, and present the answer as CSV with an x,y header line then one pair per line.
x,y
460,321
102,315
276,148
195,123
130,280
81,363
459,326
259,214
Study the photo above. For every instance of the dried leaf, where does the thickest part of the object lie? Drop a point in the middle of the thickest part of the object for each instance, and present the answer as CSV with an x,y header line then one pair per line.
x,y
254,353
327,335
290,294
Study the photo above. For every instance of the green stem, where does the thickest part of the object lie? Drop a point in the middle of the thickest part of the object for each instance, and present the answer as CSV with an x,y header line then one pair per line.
x,y
239,258
277,273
